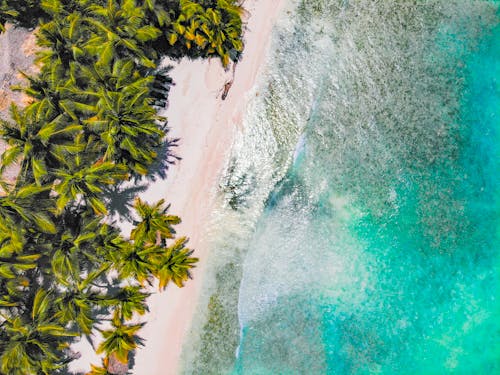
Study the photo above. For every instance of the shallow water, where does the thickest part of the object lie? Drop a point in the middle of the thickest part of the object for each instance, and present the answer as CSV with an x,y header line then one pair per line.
x,y
360,208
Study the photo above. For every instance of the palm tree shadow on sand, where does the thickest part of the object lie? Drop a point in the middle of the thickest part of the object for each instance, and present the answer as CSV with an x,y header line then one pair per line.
x,y
120,198
113,287
166,158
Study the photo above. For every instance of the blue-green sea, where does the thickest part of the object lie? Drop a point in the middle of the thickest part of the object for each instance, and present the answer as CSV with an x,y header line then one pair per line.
x,y
360,209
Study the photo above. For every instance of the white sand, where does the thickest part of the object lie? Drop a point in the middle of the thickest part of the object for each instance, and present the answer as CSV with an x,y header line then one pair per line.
x,y
206,126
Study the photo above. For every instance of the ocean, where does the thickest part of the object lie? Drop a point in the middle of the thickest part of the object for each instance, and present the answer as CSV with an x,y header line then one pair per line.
x,y
358,226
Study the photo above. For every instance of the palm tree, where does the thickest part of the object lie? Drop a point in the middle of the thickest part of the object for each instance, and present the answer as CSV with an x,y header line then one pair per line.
x,y
222,27
10,297
62,41
123,75
134,261
65,261
190,13
174,264
63,8
120,31
55,92
35,343
109,245
25,13
91,124
45,90
15,260
159,13
128,127
128,301
77,181
154,222
209,29
78,267
11,277
120,340
16,209
42,144
76,305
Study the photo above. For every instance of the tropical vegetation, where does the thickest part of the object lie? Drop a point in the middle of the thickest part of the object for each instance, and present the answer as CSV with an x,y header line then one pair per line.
x,y
65,268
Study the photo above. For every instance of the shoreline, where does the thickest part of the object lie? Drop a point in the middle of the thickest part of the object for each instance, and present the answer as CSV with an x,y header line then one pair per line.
x,y
206,125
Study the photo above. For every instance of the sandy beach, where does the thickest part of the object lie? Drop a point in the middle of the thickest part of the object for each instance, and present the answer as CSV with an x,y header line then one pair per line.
x,y
205,125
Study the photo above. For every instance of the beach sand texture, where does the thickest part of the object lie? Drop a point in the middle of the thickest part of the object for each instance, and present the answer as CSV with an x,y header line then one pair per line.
x,y
205,125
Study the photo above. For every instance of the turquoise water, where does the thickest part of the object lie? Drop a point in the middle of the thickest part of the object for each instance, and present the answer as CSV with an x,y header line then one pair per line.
x,y
378,251
359,224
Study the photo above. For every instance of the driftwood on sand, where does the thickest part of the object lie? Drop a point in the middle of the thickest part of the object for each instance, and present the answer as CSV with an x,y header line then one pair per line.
x,y
225,91
228,84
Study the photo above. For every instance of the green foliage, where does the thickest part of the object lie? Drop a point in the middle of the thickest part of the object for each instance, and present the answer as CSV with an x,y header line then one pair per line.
x,y
122,30
75,180
208,28
33,342
174,264
155,224
91,124
6,14
20,12
120,340
128,301
43,143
